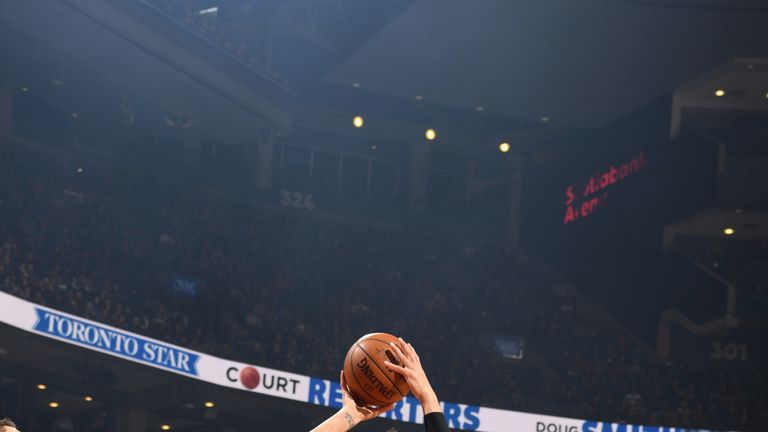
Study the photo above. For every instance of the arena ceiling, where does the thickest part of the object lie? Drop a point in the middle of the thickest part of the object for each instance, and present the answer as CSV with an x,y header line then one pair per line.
x,y
486,69
577,63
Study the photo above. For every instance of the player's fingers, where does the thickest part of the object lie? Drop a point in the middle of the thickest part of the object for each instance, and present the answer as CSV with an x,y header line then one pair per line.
x,y
399,354
408,350
404,348
399,369
413,352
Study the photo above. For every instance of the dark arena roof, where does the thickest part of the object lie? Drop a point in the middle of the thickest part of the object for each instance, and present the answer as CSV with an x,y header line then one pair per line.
x,y
562,206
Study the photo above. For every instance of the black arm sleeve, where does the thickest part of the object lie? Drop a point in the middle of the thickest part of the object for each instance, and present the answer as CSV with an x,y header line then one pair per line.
x,y
435,422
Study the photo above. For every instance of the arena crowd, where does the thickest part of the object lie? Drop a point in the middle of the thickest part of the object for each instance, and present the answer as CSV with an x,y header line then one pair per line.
x,y
292,290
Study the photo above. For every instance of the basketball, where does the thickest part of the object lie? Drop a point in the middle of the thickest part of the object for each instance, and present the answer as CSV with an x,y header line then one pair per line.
x,y
370,382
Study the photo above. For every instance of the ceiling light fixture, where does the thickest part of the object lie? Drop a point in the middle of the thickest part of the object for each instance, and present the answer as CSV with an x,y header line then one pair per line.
x,y
208,10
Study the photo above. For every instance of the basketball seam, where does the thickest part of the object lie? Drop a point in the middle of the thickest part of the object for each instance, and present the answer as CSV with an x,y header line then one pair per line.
x,y
354,375
379,368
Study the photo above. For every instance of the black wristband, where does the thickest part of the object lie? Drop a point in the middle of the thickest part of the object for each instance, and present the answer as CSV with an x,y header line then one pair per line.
x,y
435,422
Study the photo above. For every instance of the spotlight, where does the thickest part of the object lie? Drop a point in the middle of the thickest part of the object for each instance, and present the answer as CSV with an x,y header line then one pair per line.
x,y
53,404
545,119
728,231
358,122
79,170
373,147
356,84
41,387
418,97
75,115
209,404
165,427
504,147
479,109
719,92
430,134
88,399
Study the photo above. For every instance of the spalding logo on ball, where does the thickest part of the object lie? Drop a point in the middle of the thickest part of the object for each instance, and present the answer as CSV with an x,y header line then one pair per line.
x,y
368,379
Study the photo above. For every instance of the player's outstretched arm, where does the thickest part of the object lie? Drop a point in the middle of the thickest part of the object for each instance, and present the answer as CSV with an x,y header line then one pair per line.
x,y
410,368
350,413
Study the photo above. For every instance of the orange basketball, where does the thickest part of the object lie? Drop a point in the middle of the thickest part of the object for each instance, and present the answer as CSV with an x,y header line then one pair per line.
x,y
369,381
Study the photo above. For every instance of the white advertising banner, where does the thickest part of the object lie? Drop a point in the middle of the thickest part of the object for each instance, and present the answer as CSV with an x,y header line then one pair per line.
x,y
95,336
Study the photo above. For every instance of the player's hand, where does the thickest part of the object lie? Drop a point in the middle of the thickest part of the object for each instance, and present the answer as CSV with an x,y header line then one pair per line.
x,y
410,368
354,413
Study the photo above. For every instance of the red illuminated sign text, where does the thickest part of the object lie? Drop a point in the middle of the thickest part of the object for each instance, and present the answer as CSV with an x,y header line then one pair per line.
x,y
583,200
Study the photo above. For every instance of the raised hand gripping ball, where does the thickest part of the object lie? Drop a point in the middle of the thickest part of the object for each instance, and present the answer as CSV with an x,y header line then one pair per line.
x,y
368,379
